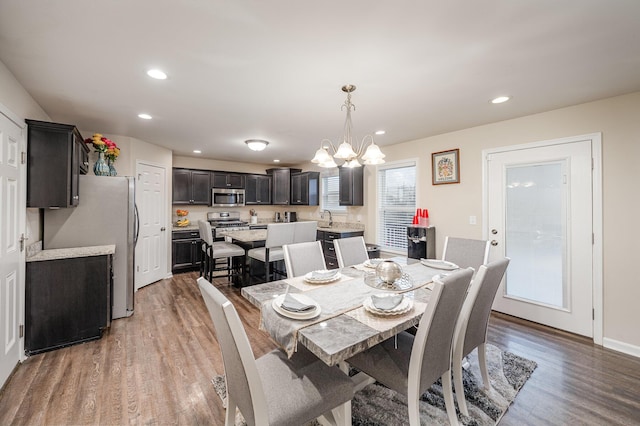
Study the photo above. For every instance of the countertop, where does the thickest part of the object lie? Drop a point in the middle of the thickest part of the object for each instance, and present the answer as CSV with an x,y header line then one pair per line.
x,y
340,229
69,253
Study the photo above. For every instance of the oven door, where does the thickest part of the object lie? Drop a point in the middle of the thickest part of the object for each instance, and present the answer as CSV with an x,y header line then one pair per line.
x,y
227,197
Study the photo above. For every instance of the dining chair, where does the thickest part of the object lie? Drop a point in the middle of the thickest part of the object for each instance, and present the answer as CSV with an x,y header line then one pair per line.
x,y
278,234
274,390
471,329
350,251
214,251
466,252
305,231
302,258
411,364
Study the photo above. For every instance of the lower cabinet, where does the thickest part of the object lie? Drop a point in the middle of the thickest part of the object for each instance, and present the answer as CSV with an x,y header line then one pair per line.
x,y
67,301
327,238
186,251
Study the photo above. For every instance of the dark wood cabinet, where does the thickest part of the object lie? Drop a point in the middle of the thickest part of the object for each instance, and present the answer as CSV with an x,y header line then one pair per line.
x,y
191,187
305,188
281,185
63,308
351,186
228,180
257,189
57,155
186,251
329,249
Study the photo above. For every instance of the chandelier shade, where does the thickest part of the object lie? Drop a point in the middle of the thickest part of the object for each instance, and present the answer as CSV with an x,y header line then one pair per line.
x,y
354,155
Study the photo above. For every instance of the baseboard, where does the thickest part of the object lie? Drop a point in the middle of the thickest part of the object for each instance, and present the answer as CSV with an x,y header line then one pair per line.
x,y
621,347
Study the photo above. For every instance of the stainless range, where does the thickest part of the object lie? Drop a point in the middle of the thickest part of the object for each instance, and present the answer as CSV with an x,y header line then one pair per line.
x,y
229,221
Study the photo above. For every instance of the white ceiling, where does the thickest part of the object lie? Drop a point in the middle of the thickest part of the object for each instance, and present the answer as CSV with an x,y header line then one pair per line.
x,y
273,69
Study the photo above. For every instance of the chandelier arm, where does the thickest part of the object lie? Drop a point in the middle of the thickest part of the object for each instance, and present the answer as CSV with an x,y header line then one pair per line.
x,y
322,144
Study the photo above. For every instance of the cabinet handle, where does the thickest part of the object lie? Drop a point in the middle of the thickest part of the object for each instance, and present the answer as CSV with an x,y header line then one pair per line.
x,y
86,163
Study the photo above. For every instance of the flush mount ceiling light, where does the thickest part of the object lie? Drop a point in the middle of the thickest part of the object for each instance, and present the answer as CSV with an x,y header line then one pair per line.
x,y
197,151
256,144
500,99
157,74
145,116
347,151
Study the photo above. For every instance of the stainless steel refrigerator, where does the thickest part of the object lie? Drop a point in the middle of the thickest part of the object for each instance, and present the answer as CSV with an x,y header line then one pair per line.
x,y
106,214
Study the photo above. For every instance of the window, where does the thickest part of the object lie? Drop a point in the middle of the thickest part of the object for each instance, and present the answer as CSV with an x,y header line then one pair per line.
x,y
330,192
396,204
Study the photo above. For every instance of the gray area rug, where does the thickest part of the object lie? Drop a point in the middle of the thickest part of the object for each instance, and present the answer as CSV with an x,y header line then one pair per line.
x,y
377,405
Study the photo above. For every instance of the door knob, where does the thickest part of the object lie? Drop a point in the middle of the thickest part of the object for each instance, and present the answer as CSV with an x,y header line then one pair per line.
x,y
494,243
163,229
494,231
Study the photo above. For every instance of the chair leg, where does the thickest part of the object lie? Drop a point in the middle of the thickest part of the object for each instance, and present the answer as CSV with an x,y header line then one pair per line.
x,y
458,385
482,360
230,416
413,404
448,398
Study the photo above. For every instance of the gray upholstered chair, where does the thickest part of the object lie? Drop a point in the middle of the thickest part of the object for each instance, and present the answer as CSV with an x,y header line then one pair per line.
x,y
466,252
305,231
471,329
350,251
215,251
302,258
412,364
278,234
273,390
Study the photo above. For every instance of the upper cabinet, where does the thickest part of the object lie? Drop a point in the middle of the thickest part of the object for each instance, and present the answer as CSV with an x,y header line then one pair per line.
x,y
57,155
191,187
228,180
351,186
281,185
305,188
257,189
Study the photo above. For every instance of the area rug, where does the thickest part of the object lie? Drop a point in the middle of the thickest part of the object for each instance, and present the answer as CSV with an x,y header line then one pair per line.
x,y
377,405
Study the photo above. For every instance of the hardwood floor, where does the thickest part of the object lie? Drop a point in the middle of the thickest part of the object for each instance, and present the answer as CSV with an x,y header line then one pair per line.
x,y
156,368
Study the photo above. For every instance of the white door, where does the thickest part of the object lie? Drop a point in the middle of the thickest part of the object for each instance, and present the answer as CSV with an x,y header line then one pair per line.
x,y
539,207
12,211
151,254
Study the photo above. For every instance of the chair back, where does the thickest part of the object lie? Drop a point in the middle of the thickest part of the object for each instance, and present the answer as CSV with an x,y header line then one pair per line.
x,y
305,231
474,317
206,233
431,352
241,372
350,251
279,234
466,252
303,258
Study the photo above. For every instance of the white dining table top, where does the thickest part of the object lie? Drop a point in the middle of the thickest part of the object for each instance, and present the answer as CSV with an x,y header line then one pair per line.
x,y
344,327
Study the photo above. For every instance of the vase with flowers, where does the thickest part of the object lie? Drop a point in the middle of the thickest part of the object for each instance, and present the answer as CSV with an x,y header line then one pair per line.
x,y
107,151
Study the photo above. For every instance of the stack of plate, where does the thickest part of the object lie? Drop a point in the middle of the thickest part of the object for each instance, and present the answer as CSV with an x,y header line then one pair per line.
x,y
308,314
379,307
439,264
322,276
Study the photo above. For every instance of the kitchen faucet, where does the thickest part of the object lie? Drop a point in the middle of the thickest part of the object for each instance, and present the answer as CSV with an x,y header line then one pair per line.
x,y
330,217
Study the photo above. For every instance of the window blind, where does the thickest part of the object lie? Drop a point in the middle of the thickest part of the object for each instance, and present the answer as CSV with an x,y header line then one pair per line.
x,y
330,192
396,204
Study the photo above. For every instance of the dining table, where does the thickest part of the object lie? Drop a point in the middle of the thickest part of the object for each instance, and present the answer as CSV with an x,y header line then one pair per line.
x,y
344,325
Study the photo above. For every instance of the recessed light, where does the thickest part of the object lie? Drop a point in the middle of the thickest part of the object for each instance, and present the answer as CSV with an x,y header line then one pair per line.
x,y
500,99
145,116
197,151
256,144
157,74
276,161
380,132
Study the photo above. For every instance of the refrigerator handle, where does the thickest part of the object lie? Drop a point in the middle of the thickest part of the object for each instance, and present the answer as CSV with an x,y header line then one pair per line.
x,y
136,224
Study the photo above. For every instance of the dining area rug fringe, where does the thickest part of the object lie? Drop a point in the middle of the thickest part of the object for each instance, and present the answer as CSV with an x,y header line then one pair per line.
x,y
376,405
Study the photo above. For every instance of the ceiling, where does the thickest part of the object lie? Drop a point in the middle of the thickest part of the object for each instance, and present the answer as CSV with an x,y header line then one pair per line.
x,y
273,69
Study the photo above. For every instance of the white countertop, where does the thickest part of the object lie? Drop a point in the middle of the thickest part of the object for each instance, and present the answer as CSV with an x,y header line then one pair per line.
x,y
72,252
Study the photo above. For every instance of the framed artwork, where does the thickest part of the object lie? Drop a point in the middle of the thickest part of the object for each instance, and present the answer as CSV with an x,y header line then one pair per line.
x,y
446,167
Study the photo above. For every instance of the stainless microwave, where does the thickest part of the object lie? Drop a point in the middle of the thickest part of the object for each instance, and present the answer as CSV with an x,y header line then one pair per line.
x,y
221,197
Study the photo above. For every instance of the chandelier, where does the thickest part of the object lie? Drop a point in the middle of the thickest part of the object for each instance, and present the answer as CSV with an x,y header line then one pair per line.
x,y
351,153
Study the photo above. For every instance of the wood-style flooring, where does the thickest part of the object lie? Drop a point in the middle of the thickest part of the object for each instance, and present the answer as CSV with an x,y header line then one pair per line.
x,y
156,368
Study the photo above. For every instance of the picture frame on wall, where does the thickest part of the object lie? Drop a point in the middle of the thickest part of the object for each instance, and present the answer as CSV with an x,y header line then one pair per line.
x,y
445,167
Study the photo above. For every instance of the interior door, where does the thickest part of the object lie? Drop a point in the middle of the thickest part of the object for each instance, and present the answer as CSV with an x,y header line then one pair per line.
x,y
12,211
539,202
151,254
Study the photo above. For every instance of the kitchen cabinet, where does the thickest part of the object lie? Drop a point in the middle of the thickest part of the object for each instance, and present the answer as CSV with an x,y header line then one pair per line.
x,y
281,185
56,156
191,187
305,188
186,251
327,237
228,180
63,308
257,189
351,186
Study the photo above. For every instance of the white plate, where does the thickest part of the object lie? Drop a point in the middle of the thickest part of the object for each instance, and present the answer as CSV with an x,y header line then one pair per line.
x,y
372,263
308,278
404,307
439,264
296,315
